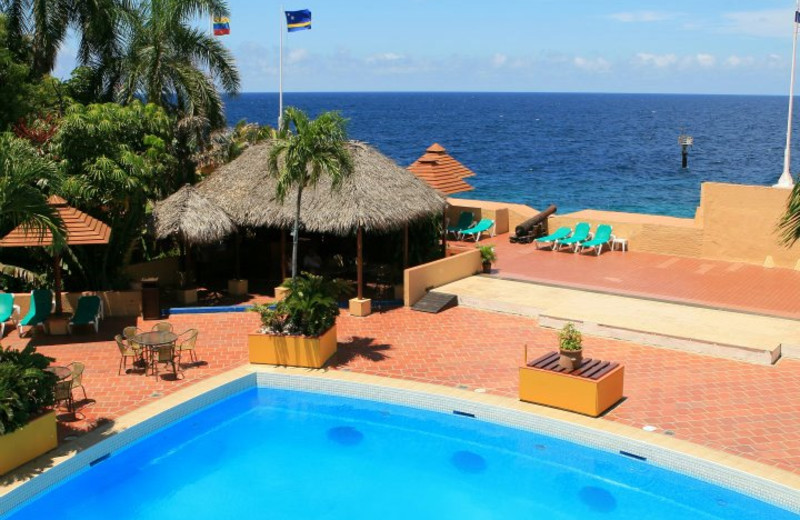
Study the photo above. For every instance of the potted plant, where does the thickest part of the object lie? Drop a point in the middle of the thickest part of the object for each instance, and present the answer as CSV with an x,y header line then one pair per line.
x,y
27,428
571,347
299,330
487,257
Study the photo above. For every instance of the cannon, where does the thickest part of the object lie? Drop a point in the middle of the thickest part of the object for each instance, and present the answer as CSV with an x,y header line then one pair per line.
x,y
532,228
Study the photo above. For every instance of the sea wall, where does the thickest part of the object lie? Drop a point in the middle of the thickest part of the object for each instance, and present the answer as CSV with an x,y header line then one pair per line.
x,y
507,216
734,222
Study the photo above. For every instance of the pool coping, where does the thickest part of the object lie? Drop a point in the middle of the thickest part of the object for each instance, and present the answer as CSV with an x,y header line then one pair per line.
x,y
763,482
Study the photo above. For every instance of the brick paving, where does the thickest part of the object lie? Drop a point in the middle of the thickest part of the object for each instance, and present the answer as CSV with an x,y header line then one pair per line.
x,y
713,283
747,410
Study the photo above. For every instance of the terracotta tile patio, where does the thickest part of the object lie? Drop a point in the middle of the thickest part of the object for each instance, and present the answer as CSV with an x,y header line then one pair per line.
x,y
748,410
713,283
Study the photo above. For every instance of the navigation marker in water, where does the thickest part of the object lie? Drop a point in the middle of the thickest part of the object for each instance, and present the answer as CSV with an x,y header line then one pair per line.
x,y
685,141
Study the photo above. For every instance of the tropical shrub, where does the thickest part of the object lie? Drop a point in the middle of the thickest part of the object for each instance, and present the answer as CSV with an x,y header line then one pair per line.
x,y
487,254
25,387
570,338
310,308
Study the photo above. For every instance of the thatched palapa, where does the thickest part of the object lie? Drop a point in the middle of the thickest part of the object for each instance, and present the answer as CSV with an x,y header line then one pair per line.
x,y
188,215
378,196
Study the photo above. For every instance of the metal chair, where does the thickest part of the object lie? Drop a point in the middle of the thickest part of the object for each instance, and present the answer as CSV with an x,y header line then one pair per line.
x,y
187,342
76,378
126,351
162,326
168,355
63,392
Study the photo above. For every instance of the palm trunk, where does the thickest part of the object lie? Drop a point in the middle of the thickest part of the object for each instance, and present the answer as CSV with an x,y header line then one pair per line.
x,y
296,237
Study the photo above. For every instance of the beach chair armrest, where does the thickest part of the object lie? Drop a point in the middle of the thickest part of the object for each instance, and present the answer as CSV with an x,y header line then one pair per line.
x,y
15,314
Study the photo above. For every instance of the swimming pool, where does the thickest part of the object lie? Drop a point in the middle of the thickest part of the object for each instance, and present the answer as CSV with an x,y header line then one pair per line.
x,y
272,453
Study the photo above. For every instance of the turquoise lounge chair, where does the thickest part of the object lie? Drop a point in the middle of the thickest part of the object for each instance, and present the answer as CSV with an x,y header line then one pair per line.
x,y
601,238
581,234
560,233
464,222
41,307
475,231
8,311
89,312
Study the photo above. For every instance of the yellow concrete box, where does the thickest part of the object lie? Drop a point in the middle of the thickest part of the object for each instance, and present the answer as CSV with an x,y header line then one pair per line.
x,y
360,307
577,394
23,445
293,351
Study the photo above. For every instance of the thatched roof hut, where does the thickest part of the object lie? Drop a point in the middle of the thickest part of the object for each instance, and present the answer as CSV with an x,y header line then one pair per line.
x,y
190,216
379,195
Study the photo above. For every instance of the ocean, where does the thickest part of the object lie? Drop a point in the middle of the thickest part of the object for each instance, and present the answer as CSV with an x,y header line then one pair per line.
x,y
615,152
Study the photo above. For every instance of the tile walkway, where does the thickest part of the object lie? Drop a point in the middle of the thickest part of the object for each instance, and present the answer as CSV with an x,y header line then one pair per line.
x,y
711,283
744,409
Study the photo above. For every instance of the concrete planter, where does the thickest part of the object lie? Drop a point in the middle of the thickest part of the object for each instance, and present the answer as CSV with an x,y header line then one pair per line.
x,y
360,308
293,351
186,296
23,445
281,293
237,287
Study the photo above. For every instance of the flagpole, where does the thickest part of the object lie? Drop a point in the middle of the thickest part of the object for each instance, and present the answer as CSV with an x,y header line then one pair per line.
x,y
280,71
786,180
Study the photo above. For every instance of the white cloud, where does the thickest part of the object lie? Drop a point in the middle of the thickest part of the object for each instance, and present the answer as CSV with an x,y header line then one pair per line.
x,y
498,60
386,57
642,16
766,22
655,60
296,56
592,65
705,60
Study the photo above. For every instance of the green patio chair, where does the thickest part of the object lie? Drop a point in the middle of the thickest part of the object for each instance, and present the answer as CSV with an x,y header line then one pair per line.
x,y
41,307
8,311
581,234
88,312
464,222
558,234
485,225
601,238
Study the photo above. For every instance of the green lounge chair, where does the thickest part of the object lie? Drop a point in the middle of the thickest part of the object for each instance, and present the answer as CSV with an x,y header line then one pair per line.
x,y
41,307
601,238
464,222
8,311
581,234
475,231
89,312
559,234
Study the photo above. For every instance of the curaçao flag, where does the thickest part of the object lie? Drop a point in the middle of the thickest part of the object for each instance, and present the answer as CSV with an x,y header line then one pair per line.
x,y
222,25
298,20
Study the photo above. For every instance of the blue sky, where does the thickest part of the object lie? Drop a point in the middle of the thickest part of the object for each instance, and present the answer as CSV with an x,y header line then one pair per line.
x,y
683,46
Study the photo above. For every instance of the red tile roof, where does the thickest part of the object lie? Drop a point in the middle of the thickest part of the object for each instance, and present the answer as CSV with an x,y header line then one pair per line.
x,y
441,171
81,229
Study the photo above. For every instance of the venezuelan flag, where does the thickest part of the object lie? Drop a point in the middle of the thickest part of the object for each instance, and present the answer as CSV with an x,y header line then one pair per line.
x,y
222,25
298,20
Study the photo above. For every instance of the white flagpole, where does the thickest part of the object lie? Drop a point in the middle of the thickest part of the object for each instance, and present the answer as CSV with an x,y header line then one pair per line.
x,y
280,70
786,180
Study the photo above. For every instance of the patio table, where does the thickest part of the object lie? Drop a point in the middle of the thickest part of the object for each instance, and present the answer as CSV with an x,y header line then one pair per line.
x,y
61,373
152,341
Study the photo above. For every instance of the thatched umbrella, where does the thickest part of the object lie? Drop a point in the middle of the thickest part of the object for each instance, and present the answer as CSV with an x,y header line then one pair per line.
x,y
192,218
378,196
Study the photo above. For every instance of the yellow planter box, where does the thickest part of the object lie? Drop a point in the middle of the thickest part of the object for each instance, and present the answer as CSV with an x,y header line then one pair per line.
x,y
281,293
293,351
577,394
23,445
361,307
237,287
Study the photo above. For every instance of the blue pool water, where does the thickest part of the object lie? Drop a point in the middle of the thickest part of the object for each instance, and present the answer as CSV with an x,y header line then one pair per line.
x,y
290,455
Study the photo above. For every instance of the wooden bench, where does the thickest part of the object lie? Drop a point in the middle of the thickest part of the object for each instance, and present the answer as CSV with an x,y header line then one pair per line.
x,y
591,389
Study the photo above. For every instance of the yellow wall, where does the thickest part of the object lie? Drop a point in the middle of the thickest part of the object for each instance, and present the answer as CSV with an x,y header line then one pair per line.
x,y
740,224
507,216
27,443
417,280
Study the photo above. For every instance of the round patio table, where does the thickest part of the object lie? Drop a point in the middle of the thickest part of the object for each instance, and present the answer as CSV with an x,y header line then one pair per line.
x,y
151,341
61,372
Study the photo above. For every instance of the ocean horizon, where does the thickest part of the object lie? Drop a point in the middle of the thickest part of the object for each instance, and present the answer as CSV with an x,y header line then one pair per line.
x,y
607,151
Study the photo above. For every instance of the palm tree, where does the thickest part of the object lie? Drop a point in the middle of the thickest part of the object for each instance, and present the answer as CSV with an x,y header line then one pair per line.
x,y
300,158
790,223
177,66
37,29
23,177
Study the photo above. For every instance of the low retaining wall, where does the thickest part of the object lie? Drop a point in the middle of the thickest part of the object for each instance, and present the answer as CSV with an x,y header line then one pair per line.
x,y
115,303
418,280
